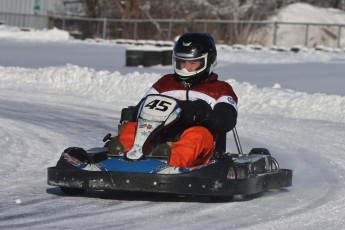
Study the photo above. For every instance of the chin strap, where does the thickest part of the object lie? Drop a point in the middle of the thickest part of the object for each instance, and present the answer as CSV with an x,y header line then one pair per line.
x,y
195,80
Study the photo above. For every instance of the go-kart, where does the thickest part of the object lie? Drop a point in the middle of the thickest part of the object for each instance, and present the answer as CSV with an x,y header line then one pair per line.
x,y
225,175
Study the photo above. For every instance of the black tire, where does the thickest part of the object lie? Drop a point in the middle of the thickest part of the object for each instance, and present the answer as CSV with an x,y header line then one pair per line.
x,y
152,57
134,57
167,54
220,199
72,191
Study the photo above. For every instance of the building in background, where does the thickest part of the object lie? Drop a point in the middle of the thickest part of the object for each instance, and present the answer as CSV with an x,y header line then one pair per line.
x,y
31,7
31,13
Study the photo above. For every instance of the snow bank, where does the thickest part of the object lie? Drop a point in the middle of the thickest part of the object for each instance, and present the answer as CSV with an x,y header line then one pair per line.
x,y
129,88
75,80
289,103
305,13
227,54
14,33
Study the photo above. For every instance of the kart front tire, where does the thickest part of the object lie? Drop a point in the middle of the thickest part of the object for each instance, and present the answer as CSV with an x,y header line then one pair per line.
x,y
220,199
72,191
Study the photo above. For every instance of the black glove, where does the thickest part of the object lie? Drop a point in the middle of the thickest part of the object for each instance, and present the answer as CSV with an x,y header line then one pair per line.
x,y
194,112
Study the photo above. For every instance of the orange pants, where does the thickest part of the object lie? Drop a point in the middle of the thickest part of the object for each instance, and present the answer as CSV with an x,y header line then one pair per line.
x,y
194,147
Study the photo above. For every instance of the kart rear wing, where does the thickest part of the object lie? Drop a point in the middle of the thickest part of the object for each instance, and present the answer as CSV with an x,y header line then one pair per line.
x,y
237,141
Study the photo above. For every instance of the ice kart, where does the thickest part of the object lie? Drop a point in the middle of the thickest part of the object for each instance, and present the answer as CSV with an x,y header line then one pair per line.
x,y
144,169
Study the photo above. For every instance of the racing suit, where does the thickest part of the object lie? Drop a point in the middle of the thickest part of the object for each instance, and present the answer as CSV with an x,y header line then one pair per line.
x,y
195,142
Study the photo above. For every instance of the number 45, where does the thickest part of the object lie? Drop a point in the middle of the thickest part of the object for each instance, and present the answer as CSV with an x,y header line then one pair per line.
x,y
158,105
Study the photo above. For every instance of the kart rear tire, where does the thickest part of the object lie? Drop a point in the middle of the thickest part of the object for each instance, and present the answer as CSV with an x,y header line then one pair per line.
x,y
220,199
72,191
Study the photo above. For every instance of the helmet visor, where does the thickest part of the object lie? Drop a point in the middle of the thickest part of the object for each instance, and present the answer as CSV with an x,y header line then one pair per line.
x,y
189,66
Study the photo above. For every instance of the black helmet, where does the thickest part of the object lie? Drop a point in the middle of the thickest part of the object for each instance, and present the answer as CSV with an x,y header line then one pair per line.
x,y
194,47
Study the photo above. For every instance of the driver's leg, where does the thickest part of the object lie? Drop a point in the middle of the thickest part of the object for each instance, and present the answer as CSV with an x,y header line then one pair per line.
x,y
127,134
194,148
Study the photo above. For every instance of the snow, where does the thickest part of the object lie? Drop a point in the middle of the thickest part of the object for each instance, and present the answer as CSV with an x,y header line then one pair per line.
x,y
317,36
58,92
303,12
29,34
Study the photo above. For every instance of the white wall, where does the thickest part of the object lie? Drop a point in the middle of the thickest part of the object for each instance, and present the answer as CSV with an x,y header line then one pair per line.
x,y
40,7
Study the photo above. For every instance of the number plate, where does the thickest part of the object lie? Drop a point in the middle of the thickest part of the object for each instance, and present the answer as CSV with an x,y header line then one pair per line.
x,y
157,108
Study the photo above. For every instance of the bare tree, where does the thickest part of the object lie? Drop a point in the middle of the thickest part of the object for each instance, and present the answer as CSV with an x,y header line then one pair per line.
x,y
190,11
129,9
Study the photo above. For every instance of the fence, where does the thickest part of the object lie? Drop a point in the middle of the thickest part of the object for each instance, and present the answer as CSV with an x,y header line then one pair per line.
x,y
265,33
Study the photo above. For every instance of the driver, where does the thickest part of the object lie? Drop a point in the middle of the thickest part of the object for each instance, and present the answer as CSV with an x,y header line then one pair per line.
x,y
208,105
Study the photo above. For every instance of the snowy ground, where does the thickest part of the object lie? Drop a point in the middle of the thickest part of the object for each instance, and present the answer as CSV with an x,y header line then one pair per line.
x,y
291,103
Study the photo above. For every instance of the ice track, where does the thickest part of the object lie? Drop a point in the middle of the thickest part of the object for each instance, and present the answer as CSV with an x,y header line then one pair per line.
x,y
34,132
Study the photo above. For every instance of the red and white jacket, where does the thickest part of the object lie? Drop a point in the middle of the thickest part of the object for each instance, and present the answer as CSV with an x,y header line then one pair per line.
x,y
218,94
